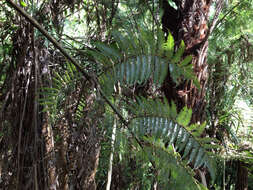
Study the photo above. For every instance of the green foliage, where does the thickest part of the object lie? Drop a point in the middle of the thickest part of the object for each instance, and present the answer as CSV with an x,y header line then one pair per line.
x,y
171,169
134,59
229,63
140,69
54,98
23,4
131,60
169,46
157,118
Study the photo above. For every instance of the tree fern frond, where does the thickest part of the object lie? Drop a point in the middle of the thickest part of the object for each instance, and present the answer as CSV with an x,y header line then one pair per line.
x,y
133,59
172,129
80,108
171,168
166,129
186,61
110,52
140,68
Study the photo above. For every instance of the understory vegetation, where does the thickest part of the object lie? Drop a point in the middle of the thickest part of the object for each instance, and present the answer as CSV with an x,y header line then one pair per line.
x,y
126,95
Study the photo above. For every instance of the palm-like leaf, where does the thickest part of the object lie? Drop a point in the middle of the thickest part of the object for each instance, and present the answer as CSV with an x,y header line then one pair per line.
x,y
136,58
162,125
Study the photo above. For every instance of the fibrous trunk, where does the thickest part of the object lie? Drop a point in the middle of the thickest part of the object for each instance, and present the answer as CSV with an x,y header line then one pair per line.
x,y
188,23
242,176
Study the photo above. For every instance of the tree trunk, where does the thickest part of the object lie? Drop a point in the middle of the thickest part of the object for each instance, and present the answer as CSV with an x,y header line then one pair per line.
x,y
47,133
62,157
24,116
242,177
188,23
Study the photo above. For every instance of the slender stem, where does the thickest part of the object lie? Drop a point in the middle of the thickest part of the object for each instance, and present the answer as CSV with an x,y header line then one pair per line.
x,y
224,173
35,119
20,131
230,11
109,174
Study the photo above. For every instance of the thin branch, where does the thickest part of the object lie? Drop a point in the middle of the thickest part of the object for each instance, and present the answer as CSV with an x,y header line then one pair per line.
x,y
21,128
109,174
230,11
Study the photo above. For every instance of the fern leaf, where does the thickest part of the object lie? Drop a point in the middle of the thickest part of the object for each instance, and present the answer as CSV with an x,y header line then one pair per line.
x,y
194,152
179,138
99,57
139,70
121,40
169,46
184,116
108,51
183,142
174,134
186,61
199,159
148,66
188,147
164,71
157,70
165,160
199,130
162,128
210,165
179,53
133,73
128,72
